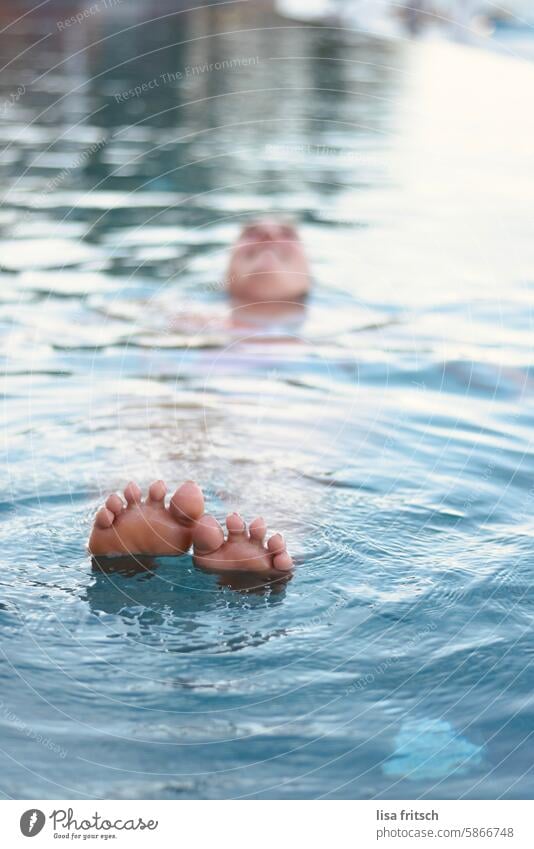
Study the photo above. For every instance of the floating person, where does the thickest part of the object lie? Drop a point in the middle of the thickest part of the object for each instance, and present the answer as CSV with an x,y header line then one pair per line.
x,y
267,281
268,263
268,268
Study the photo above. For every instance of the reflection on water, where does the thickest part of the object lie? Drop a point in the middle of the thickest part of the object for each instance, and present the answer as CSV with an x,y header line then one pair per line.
x,y
386,430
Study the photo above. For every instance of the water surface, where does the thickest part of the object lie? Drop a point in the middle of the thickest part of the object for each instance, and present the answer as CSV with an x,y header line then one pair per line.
x,y
388,435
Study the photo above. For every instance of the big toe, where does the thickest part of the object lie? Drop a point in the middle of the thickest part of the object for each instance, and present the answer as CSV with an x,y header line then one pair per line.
x,y
208,535
187,503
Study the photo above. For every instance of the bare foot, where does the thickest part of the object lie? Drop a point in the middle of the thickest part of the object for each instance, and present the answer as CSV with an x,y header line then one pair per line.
x,y
241,551
149,527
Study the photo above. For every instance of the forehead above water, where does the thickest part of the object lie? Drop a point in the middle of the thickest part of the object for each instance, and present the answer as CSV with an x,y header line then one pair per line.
x,y
274,220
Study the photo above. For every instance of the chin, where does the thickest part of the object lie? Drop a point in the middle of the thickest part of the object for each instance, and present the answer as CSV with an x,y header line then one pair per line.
x,y
269,287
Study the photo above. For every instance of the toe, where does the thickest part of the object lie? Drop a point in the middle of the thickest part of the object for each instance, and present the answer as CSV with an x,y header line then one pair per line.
x,y
258,529
208,535
235,525
281,559
283,562
115,504
132,494
156,493
276,544
104,518
187,503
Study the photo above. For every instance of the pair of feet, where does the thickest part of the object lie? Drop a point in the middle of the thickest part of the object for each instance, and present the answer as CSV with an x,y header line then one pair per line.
x,y
150,527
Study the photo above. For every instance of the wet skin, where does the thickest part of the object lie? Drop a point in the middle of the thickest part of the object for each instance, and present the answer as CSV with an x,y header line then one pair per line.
x,y
268,264
151,527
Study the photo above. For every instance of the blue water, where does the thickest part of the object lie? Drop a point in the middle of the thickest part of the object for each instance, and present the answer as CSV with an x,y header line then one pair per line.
x,y
389,437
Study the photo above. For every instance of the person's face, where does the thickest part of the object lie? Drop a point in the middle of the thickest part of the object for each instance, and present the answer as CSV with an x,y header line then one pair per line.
x,y
268,263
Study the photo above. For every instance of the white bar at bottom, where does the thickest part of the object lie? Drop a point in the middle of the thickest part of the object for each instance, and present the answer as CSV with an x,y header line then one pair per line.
x,y
264,824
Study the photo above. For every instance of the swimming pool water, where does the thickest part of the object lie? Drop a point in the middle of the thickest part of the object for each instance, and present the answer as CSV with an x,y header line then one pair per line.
x,y
389,437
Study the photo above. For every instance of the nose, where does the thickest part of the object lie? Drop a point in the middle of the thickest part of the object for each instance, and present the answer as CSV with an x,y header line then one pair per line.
x,y
268,232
